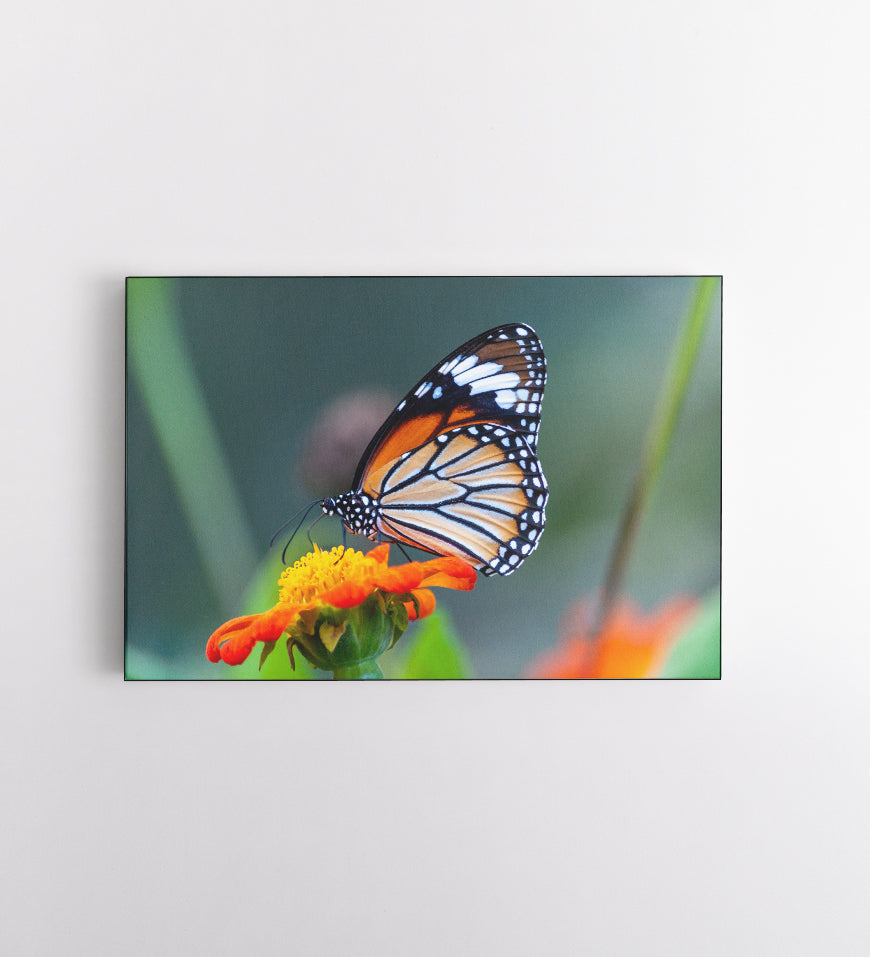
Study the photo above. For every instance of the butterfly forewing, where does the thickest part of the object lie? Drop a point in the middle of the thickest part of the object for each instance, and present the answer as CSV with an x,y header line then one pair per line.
x,y
496,377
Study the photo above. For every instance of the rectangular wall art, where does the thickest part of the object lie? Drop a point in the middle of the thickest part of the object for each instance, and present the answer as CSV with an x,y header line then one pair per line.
x,y
440,477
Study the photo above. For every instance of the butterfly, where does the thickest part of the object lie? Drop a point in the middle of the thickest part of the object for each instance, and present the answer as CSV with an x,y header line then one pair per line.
x,y
454,469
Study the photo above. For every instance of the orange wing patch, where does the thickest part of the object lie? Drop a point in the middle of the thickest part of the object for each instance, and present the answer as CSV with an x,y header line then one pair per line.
x,y
462,415
406,435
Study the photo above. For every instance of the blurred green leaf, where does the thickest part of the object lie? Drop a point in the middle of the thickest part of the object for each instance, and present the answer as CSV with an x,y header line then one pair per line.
x,y
697,653
435,651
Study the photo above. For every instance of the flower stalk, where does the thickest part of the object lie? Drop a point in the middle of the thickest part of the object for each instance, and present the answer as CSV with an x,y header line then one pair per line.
x,y
360,671
658,440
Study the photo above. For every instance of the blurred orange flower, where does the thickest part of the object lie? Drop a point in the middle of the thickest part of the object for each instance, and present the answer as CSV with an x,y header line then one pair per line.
x,y
631,644
342,593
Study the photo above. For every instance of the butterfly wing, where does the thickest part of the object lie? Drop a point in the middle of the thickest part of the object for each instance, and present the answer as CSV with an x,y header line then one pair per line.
x,y
477,492
497,377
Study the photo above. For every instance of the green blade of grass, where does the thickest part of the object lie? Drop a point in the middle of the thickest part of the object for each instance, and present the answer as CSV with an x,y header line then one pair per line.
x,y
658,437
179,415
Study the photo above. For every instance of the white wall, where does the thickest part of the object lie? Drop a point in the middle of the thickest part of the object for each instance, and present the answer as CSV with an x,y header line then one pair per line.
x,y
504,817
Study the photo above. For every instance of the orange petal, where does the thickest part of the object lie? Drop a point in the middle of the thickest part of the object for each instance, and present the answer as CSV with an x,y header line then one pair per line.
x,y
400,578
449,572
631,645
379,554
446,572
226,630
233,641
427,604
618,656
347,594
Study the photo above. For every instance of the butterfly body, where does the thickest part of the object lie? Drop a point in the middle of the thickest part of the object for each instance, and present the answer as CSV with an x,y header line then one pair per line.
x,y
454,468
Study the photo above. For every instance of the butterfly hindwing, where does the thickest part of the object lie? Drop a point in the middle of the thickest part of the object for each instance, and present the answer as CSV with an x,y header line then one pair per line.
x,y
496,377
477,492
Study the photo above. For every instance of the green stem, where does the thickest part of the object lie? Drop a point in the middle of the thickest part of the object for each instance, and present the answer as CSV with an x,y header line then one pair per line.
x,y
360,670
658,439
172,396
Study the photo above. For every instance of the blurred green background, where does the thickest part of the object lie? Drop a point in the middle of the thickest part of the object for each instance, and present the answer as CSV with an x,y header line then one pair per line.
x,y
228,378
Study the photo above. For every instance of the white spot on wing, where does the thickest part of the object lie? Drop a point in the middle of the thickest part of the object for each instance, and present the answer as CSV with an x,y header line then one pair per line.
x,y
462,376
467,363
447,366
492,383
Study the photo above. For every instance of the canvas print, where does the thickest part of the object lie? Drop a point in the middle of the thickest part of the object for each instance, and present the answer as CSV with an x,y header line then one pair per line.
x,y
423,478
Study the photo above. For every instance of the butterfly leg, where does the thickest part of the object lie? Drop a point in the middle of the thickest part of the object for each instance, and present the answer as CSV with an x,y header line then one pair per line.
x,y
343,545
308,530
402,550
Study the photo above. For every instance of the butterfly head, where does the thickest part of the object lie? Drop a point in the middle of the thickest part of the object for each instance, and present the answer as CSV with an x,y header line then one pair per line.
x,y
356,510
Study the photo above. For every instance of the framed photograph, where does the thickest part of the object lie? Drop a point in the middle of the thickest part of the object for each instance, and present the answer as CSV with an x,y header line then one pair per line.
x,y
423,477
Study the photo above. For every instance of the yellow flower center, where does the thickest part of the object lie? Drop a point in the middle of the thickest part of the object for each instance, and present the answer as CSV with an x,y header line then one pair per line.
x,y
319,571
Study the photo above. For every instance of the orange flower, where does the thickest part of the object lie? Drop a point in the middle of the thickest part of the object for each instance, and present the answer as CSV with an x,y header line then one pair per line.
x,y
341,607
630,645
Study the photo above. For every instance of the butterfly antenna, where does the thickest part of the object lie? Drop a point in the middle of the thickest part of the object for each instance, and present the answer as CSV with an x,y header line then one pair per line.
x,y
306,509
